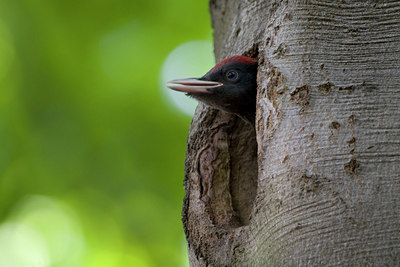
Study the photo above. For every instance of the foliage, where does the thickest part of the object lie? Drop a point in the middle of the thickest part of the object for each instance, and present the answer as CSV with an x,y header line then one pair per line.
x,y
91,153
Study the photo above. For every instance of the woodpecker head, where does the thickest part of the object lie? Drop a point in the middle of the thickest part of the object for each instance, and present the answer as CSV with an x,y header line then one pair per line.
x,y
230,86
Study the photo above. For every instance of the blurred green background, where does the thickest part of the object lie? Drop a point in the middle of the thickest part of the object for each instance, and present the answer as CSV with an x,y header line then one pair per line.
x,y
91,145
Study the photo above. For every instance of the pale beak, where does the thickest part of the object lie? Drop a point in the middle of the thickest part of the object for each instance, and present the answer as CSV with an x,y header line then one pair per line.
x,y
192,85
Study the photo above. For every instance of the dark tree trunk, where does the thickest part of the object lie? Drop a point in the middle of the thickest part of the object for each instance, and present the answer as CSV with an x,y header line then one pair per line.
x,y
318,181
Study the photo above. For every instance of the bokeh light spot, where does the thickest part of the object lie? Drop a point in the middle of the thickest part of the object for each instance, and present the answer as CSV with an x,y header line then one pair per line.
x,y
22,246
121,51
41,232
188,60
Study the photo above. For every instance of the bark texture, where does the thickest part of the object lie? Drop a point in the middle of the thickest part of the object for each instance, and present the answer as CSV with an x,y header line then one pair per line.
x,y
318,181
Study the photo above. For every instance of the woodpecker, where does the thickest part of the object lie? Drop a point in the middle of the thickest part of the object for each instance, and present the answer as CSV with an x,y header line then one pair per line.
x,y
231,86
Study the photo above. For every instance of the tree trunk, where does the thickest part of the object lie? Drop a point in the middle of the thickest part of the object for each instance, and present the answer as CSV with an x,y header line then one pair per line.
x,y
318,181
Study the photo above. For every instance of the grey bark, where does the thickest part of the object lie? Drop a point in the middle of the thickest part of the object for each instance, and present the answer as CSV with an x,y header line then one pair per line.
x,y
318,181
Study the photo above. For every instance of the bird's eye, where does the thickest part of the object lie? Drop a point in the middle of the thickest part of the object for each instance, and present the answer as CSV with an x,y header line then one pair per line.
x,y
232,75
